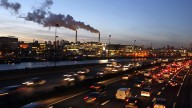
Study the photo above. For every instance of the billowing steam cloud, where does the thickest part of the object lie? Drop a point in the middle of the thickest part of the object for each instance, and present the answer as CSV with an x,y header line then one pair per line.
x,y
48,19
13,6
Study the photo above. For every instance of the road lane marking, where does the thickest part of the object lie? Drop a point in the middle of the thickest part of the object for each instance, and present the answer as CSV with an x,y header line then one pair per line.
x,y
174,105
163,88
153,99
68,98
135,95
105,102
113,81
158,93
184,78
179,89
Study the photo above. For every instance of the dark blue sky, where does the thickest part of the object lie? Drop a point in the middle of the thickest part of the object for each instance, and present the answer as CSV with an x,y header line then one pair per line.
x,y
160,22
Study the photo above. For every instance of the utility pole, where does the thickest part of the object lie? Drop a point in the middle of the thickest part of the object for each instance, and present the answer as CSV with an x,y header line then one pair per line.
x,y
57,25
109,44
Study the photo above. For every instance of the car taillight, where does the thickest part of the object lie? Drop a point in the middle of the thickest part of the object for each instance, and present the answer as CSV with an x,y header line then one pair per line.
x,y
97,87
91,86
94,99
86,98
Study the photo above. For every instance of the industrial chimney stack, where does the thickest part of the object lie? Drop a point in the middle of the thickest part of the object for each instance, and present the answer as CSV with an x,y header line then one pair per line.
x,y
99,37
76,37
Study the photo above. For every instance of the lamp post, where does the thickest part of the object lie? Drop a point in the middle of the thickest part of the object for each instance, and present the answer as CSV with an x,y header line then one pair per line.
x,y
57,25
109,44
134,49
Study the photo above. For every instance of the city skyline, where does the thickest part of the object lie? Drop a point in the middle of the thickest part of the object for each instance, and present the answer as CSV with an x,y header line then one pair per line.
x,y
158,22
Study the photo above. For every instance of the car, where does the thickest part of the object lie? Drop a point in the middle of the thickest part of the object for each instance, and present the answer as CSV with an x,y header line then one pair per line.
x,y
173,83
83,71
146,92
132,102
160,80
98,87
10,90
69,78
148,79
114,70
131,65
138,64
102,73
140,72
166,75
117,65
70,74
126,76
160,103
93,97
36,105
122,93
180,76
147,74
139,83
126,66
109,65
34,82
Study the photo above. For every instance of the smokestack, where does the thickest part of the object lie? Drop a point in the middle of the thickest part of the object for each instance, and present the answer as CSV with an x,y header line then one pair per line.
x,y
76,37
99,37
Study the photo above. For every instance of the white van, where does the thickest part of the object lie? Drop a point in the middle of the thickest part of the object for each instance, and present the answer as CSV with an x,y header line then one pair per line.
x,y
122,93
146,92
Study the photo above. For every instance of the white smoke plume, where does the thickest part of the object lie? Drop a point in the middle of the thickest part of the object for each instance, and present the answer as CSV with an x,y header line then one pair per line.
x,y
43,16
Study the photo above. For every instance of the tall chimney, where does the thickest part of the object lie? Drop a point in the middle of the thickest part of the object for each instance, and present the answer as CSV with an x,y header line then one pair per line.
x,y
99,37
76,37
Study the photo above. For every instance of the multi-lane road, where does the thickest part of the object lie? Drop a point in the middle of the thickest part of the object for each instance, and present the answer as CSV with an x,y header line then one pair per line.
x,y
176,97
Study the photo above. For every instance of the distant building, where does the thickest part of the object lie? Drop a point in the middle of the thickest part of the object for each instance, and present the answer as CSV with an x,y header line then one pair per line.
x,y
49,43
64,42
9,42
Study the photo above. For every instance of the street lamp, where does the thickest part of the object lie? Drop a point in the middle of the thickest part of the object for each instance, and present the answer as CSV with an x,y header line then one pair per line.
x,y
109,44
134,49
57,25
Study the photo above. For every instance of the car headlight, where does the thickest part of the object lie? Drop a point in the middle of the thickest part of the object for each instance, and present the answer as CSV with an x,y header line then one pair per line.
x,y
1,94
30,83
71,79
66,79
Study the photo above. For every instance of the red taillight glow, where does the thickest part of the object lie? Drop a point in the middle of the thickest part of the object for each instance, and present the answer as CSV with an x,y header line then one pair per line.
x,y
91,86
86,98
97,87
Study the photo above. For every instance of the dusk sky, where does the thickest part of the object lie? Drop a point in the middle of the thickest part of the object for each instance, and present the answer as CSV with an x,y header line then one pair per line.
x,y
161,22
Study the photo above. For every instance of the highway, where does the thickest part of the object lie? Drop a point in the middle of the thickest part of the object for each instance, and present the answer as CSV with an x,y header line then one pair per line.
x,y
175,96
53,81
74,98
